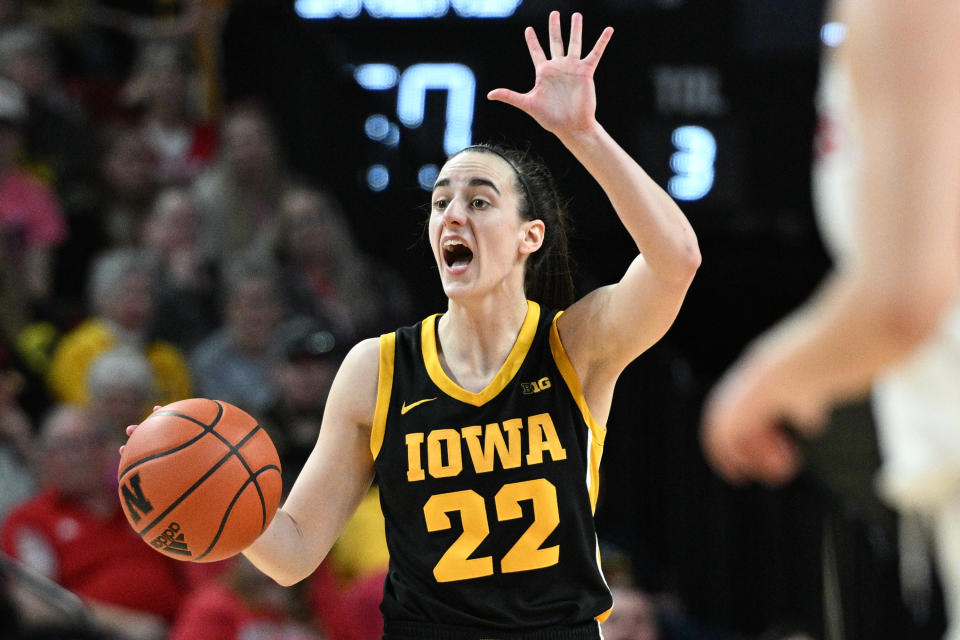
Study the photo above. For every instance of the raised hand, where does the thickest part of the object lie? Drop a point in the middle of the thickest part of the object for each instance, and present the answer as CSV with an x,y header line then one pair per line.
x,y
742,435
745,433
563,99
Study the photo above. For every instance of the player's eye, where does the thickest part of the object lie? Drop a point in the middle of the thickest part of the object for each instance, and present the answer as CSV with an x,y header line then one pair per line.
x,y
440,204
479,203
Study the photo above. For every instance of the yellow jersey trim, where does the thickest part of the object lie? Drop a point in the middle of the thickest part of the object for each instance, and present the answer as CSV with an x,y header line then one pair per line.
x,y
606,614
598,433
506,373
388,343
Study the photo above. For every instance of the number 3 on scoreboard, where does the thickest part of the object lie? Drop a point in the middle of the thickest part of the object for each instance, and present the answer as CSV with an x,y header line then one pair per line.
x,y
524,555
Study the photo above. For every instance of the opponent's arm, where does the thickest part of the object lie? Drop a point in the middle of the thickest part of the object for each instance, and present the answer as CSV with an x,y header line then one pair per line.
x,y
611,326
880,305
334,479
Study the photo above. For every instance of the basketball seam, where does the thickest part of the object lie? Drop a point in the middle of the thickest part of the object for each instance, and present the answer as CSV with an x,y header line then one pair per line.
x,y
183,496
226,514
263,502
206,429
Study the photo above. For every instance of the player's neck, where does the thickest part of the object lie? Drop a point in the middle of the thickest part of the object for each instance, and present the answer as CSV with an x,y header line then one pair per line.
x,y
475,338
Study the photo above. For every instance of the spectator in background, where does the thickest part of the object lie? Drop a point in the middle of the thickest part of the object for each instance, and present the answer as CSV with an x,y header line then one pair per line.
x,y
11,12
75,533
346,590
58,140
124,26
243,604
642,614
127,186
121,294
236,362
143,21
240,193
17,472
186,310
161,88
326,276
32,224
309,358
121,388
31,390
124,191
634,616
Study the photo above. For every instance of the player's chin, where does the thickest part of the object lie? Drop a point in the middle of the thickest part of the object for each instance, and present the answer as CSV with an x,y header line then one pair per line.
x,y
457,291
457,284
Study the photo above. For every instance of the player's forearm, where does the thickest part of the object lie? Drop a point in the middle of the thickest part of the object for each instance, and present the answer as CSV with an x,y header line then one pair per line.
x,y
903,275
333,480
282,551
654,221
853,330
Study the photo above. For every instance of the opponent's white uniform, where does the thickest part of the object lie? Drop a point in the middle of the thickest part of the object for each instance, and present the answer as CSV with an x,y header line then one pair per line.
x,y
917,402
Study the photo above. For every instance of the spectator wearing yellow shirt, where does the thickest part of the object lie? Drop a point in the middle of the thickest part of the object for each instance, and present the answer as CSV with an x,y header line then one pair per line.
x,y
121,297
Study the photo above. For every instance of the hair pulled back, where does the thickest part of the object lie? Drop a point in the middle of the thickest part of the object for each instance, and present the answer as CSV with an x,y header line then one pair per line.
x,y
548,277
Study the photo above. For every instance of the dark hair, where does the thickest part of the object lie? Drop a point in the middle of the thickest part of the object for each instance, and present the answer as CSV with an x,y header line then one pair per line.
x,y
548,278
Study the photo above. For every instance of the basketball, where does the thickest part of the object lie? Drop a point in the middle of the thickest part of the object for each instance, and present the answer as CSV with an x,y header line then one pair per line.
x,y
199,480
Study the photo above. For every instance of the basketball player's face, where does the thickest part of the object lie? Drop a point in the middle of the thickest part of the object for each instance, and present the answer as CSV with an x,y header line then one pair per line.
x,y
478,239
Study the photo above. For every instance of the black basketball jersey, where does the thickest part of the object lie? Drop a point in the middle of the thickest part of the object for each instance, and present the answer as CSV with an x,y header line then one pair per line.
x,y
488,497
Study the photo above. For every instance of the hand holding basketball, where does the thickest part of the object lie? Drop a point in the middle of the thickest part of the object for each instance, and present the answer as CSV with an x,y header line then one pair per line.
x,y
199,480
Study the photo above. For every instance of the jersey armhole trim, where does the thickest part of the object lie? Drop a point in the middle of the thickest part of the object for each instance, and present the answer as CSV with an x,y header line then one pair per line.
x,y
597,432
388,343
569,374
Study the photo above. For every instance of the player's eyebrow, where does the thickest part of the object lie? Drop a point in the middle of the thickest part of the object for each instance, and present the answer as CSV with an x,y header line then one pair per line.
x,y
474,182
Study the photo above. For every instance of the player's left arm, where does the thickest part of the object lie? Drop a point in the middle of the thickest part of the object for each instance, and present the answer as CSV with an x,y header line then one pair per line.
x,y
610,327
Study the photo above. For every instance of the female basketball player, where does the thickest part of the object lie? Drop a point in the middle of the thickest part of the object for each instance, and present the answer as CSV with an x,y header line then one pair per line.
x,y
485,424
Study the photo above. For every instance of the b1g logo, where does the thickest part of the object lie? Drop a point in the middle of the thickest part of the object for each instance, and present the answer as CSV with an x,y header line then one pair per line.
x,y
171,540
536,386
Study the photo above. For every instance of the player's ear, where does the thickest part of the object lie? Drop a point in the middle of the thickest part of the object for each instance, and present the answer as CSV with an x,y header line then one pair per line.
x,y
532,236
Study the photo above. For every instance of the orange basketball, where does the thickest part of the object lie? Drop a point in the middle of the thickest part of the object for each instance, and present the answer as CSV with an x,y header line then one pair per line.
x,y
199,480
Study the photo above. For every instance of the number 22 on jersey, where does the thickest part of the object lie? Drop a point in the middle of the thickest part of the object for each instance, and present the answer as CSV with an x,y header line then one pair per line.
x,y
525,554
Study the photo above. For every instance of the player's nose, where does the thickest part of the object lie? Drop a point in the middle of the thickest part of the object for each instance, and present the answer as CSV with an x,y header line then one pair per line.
x,y
455,213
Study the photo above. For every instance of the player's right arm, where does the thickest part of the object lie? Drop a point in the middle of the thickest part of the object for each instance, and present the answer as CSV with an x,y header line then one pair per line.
x,y
334,479
893,292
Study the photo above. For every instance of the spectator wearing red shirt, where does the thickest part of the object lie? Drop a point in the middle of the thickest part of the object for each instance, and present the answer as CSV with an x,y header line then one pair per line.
x,y
74,532
243,604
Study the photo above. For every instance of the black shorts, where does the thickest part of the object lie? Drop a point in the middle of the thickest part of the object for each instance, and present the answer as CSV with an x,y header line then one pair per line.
x,y
429,631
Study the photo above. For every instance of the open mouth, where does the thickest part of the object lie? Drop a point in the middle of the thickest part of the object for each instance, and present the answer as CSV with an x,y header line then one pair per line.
x,y
456,254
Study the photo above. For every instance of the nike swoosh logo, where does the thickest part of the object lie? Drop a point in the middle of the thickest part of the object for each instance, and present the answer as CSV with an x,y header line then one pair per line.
x,y
406,407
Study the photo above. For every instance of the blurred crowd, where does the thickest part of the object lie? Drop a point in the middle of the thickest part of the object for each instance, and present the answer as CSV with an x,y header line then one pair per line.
x,y
155,246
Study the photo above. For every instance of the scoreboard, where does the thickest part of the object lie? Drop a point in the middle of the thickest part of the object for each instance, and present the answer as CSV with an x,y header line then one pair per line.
x,y
372,95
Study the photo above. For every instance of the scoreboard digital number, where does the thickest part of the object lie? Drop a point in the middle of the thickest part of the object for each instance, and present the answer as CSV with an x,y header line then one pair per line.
x,y
682,140
406,9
